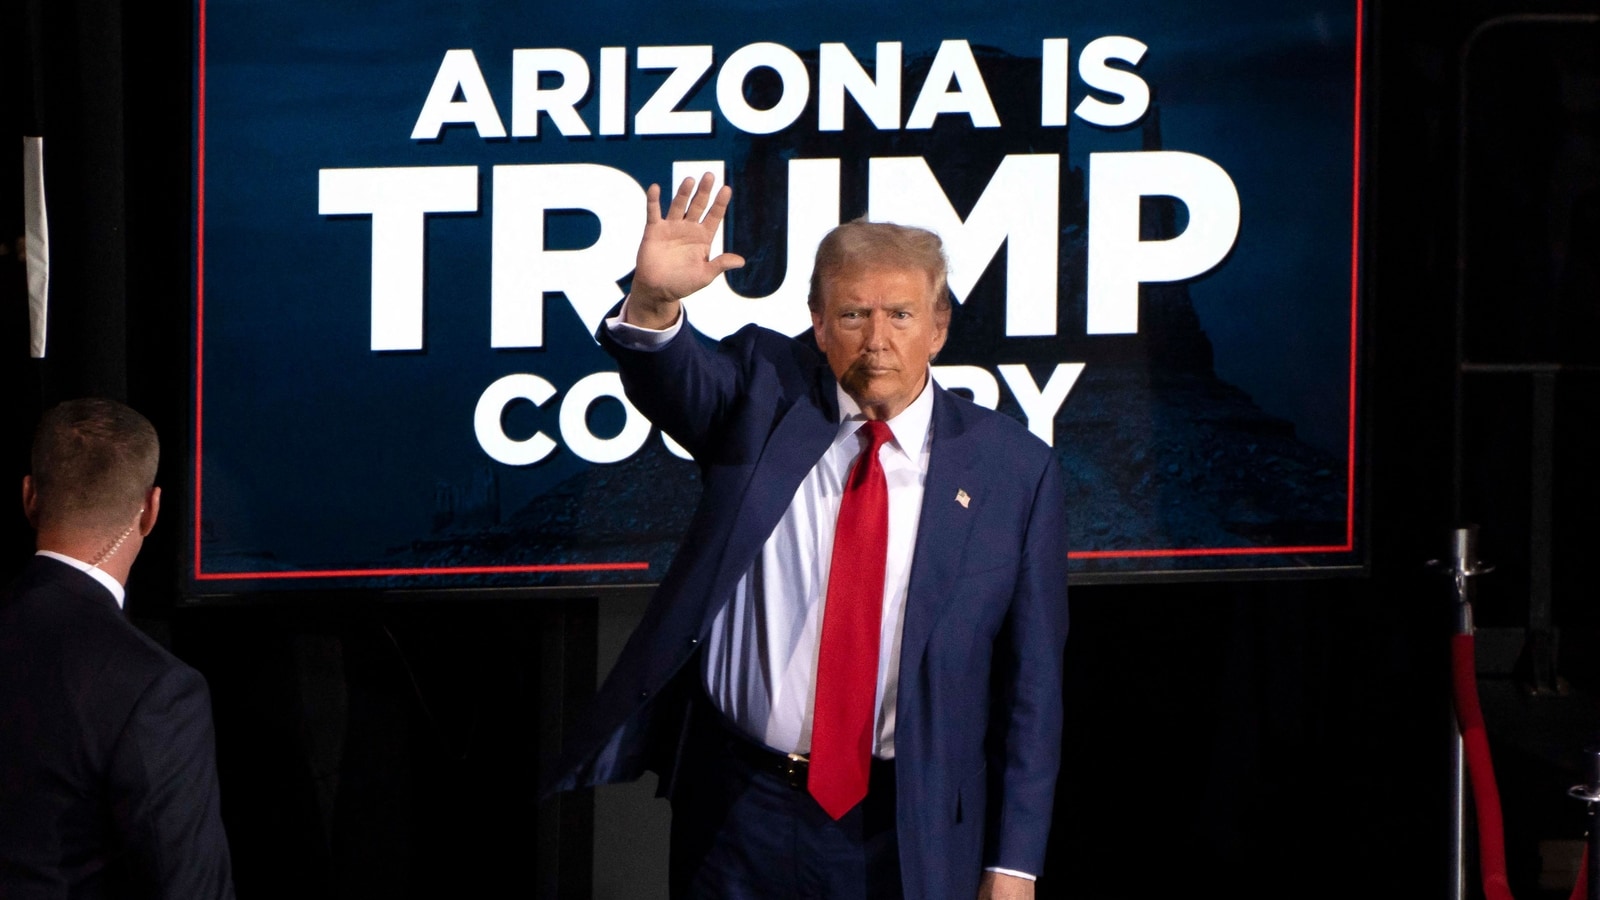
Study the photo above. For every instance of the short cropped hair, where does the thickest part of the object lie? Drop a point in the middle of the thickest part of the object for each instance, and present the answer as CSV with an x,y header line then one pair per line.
x,y
859,246
94,461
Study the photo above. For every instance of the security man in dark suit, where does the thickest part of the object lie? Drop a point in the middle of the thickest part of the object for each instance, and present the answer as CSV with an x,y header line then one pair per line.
x,y
108,779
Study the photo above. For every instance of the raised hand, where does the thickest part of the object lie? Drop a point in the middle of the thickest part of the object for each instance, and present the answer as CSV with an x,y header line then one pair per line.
x,y
674,255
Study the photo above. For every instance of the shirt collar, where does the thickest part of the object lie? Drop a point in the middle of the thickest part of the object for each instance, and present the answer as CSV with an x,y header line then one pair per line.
x,y
910,428
110,584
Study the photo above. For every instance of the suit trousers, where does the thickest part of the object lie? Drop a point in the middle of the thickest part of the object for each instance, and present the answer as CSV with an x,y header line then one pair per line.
x,y
742,830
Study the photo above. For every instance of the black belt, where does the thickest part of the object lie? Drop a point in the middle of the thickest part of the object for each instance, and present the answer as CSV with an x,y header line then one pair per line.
x,y
791,767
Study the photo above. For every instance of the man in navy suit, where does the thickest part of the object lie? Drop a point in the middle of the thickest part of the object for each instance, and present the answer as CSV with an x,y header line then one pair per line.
x,y
721,687
108,780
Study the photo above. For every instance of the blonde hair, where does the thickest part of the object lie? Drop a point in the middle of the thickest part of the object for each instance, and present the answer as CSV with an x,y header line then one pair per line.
x,y
860,245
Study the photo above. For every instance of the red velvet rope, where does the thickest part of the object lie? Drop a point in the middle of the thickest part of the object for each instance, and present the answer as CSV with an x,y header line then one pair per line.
x,y
1480,769
1485,795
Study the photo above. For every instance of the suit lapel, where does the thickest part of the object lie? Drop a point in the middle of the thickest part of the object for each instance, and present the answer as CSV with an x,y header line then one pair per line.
x,y
942,529
803,433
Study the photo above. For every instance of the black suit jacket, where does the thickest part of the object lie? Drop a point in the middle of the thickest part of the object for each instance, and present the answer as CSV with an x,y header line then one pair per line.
x,y
108,779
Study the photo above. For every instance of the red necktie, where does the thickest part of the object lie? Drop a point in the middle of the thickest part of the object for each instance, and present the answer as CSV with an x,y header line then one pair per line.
x,y
847,662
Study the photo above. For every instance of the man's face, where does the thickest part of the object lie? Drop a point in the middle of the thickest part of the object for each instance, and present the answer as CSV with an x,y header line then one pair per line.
x,y
879,329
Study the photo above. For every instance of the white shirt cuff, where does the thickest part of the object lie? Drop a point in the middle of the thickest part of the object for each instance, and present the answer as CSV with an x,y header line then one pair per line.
x,y
635,337
1012,872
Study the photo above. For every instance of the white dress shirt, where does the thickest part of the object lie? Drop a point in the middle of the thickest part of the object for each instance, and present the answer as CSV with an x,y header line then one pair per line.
x,y
98,574
761,654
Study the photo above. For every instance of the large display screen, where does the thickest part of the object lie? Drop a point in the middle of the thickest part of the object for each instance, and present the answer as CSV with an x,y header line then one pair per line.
x,y
410,218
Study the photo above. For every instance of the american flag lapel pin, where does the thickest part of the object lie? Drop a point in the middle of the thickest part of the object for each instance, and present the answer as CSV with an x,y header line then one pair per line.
x,y
963,498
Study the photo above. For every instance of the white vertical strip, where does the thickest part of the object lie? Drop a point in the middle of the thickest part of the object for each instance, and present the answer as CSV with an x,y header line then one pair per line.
x,y
36,235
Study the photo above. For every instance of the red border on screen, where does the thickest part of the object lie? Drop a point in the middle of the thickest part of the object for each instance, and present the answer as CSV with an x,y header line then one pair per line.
x,y
1187,552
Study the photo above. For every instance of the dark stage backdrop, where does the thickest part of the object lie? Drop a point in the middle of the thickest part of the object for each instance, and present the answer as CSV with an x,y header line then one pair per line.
x,y
409,220
1267,739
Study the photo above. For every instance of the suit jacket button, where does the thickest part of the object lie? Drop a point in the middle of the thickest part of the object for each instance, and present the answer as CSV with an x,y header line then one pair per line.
x,y
644,695
694,642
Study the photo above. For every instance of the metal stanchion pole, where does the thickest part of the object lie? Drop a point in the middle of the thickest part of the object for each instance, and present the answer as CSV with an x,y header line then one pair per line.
x,y
1464,567
1590,793
1458,814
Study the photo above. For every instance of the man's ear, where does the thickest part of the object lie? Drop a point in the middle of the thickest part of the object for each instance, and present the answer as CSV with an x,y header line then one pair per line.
x,y
152,508
30,501
941,325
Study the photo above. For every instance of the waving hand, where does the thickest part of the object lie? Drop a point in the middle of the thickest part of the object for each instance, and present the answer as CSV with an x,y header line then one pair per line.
x,y
674,255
